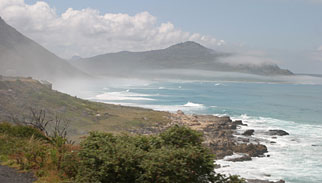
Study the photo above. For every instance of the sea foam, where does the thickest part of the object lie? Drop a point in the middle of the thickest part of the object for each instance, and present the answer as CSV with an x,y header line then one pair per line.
x,y
123,95
294,158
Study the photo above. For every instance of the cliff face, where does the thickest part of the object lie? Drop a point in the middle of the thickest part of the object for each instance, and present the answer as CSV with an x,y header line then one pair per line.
x,y
21,56
187,55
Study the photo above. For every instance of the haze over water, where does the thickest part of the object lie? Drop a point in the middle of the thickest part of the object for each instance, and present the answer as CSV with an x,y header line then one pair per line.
x,y
295,108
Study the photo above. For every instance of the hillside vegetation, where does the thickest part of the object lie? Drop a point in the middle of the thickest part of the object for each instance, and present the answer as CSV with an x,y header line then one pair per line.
x,y
176,155
19,95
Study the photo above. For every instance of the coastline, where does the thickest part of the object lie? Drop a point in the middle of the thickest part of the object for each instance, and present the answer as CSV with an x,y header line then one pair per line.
x,y
222,137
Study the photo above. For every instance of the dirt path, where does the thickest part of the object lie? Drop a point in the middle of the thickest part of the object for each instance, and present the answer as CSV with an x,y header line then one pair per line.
x,y
10,175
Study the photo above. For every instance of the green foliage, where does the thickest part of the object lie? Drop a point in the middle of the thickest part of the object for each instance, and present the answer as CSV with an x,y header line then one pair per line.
x,y
33,155
31,150
13,140
21,131
69,164
8,146
181,136
175,155
190,164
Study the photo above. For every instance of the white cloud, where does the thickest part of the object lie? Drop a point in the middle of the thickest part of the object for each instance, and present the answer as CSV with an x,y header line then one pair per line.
x,y
87,32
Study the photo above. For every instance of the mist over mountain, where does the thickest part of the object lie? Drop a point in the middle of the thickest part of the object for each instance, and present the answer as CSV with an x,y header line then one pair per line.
x,y
21,56
187,55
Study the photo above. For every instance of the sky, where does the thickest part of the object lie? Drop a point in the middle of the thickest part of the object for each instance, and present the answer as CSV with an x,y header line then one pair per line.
x,y
287,32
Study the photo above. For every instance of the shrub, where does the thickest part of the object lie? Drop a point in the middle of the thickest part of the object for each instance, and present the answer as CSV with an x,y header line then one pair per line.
x,y
181,165
21,131
33,155
107,158
181,136
176,155
69,164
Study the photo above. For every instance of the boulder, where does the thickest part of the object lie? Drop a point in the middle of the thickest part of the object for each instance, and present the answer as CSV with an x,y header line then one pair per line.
x,y
180,112
249,132
233,126
263,181
253,150
225,119
239,123
277,132
241,158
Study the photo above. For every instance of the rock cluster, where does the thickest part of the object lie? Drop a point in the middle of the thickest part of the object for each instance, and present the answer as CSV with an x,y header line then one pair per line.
x,y
277,132
218,134
264,181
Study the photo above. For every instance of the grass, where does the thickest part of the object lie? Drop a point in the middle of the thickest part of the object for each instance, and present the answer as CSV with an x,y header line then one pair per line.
x,y
27,149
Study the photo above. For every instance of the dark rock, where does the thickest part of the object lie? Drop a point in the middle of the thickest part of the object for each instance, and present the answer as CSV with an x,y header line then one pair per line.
x,y
217,166
233,126
243,139
253,150
180,112
239,122
242,158
277,132
249,132
225,119
263,181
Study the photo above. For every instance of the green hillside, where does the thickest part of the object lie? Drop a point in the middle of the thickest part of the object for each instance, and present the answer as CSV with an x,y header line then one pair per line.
x,y
19,95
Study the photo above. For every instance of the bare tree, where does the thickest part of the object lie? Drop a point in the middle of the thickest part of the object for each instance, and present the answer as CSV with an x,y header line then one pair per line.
x,y
52,127
60,127
38,119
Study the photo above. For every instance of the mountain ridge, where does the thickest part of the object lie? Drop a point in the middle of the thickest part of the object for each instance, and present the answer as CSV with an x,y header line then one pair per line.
x,y
185,55
21,56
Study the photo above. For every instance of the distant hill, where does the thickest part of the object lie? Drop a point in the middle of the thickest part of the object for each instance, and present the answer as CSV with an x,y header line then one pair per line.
x,y
21,56
187,55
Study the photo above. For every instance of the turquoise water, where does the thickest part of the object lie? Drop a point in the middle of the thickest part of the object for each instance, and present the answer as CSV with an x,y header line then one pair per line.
x,y
296,108
298,103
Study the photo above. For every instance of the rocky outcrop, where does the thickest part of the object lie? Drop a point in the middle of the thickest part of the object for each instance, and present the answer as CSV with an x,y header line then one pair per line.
x,y
249,132
221,136
244,157
239,122
218,134
263,181
253,150
277,132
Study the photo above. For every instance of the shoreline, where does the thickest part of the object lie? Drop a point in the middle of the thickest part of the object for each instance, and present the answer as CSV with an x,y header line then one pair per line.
x,y
222,137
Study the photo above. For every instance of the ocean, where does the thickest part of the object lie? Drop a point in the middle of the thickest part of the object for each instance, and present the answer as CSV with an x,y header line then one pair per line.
x,y
295,108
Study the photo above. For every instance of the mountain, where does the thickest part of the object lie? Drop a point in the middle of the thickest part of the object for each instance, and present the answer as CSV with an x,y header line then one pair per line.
x,y
21,56
187,55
